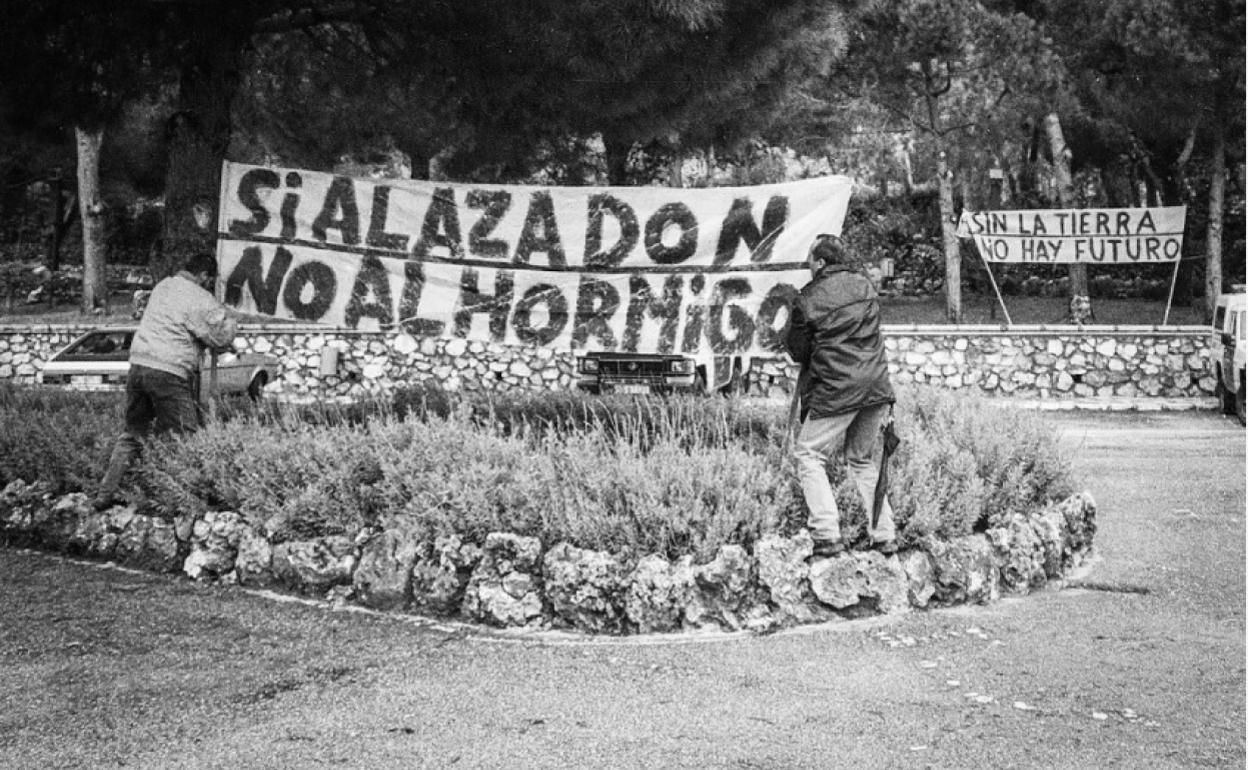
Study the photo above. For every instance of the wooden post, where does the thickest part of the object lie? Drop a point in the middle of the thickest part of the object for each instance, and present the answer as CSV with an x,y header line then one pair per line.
x,y
1174,279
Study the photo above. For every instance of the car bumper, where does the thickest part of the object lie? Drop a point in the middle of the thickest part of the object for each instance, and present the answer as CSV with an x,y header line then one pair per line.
x,y
627,386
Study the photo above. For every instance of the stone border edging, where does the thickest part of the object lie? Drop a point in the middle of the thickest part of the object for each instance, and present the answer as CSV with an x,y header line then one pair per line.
x,y
509,581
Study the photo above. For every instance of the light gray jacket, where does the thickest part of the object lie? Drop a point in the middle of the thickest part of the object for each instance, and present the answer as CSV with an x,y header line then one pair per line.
x,y
181,319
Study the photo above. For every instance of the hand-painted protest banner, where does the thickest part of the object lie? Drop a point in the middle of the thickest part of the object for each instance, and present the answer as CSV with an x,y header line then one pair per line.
x,y
646,269
1090,236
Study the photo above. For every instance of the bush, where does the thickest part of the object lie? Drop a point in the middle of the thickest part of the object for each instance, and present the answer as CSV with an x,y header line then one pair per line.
x,y
61,438
673,476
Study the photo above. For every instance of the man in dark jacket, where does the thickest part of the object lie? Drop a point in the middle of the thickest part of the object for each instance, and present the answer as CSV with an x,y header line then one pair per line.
x,y
834,335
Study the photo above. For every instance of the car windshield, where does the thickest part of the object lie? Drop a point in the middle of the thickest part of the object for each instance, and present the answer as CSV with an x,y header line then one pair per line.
x,y
101,343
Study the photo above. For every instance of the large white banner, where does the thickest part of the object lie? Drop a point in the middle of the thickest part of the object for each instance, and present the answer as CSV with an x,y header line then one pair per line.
x,y
646,269
1089,236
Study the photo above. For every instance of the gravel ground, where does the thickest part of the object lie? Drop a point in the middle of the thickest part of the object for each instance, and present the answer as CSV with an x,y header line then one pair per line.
x,y
1138,662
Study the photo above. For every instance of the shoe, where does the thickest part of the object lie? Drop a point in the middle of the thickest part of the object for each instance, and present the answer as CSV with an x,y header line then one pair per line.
x,y
886,547
824,548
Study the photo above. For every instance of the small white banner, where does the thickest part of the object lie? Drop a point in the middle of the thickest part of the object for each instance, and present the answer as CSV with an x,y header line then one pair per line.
x,y
1066,236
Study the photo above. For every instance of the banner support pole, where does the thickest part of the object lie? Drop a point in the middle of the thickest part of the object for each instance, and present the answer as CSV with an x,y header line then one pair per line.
x,y
992,279
1174,279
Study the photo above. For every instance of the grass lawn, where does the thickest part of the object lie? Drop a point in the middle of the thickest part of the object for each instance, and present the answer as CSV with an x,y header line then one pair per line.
x,y
977,309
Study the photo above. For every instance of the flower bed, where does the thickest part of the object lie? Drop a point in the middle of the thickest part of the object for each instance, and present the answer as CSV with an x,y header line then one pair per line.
x,y
607,516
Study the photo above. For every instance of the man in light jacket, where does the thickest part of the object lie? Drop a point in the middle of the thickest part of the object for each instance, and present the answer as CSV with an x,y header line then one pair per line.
x,y
834,334
181,320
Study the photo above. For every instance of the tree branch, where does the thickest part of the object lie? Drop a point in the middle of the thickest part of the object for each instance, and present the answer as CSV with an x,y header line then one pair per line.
x,y
301,18
942,90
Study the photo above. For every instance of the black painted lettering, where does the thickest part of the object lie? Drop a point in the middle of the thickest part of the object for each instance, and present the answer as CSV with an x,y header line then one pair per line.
x,y
773,316
340,212
290,203
248,194
642,303
378,238
540,232
1123,224
737,334
599,206
677,214
556,315
694,314
441,226
249,274
370,295
318,276
472,302
739,226
493,205
596,303
409,304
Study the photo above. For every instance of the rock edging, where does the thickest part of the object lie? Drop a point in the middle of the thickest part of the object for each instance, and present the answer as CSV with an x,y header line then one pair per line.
x,y
512,581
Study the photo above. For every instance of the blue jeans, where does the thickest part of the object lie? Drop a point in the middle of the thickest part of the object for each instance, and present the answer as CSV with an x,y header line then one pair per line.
x,y
856,433
156,402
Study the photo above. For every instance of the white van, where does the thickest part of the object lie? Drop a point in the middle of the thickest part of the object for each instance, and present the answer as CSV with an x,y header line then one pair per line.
x,y
1230,330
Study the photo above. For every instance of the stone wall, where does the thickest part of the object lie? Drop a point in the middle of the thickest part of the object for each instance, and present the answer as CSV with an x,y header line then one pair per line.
x,y
514,581
1047,362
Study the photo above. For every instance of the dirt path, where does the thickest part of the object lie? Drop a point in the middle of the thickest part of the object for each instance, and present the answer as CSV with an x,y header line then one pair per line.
x,y
1142,666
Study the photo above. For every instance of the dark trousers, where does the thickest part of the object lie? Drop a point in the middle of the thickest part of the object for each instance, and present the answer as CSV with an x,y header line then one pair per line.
x,y
156,402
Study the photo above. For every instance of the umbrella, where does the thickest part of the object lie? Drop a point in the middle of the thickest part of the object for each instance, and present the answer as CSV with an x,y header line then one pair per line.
x,y
891,442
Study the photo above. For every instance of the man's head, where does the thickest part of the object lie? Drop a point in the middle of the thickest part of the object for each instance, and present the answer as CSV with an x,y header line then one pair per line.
x,y
203,266
826,250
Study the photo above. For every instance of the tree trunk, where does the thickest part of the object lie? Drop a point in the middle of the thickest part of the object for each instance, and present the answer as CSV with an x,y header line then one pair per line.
x,y
616,151
676,169
53,260
1080,301
199,137
953,253
1213,235
907,168
94,287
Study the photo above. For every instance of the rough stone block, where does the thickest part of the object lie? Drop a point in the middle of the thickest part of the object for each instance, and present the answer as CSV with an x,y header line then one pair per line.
x,y
314,566
586,588
861,577
965,570
920,571
784,572
383,577
659,592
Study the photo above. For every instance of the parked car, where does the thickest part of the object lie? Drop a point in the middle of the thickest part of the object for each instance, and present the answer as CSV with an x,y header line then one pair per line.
x,y
659,373
100,360
635,373
1230,330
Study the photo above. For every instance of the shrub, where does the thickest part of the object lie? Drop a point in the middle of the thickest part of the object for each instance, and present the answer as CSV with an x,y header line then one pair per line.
x,y
61,438
674,476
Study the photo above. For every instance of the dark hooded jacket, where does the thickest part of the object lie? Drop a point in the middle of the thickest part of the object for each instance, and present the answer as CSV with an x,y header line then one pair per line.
x,y
834,334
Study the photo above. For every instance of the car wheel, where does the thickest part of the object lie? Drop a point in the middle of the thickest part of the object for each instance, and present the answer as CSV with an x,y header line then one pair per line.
x,y
1239,401
256,387
1226,399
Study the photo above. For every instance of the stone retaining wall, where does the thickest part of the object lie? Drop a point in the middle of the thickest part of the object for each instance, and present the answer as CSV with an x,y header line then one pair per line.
x,y
515,581
1058,362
